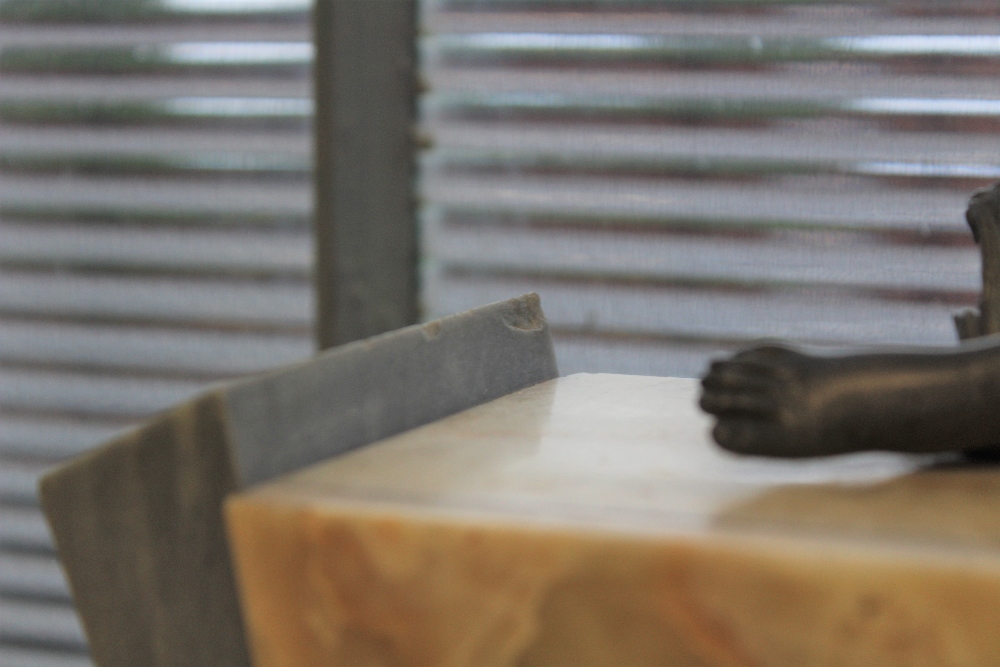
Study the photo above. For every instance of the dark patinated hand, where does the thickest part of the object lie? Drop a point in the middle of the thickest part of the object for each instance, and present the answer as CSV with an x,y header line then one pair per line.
x,y
778,401
761,399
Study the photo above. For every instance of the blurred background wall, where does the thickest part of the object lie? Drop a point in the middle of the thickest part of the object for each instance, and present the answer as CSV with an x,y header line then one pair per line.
x,y
677,178
155,201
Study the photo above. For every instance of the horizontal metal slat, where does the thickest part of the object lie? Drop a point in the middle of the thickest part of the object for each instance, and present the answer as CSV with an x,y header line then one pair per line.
x,y
114,247
900,159
806,203
45,623
167,351
710,93
125,101
281,144
923,152
17,656
98,35
31,574
918,7
188,111
91,393
52,439
644,257
19,480
24,528
232,166
811,19
606,49
138,10
44,214
280,305
705,315
969,114
166,196
912,174
218,58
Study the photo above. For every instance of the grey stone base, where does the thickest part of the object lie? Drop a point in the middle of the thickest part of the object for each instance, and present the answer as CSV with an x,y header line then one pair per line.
x,y
138,522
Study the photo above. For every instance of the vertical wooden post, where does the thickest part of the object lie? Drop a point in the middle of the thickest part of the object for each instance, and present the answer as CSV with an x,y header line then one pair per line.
x,y
366,250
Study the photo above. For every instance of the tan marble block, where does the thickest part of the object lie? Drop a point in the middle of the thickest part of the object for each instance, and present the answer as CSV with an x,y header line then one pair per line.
x,y
590,521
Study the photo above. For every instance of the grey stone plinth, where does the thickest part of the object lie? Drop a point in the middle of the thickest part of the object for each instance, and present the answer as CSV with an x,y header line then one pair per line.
x,y
138,522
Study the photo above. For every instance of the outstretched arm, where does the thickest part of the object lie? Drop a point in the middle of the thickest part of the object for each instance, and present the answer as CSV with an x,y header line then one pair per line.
x,y
778,401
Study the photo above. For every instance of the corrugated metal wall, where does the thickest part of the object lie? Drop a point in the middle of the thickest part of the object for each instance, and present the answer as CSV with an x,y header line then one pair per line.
x,y
154,237
678,178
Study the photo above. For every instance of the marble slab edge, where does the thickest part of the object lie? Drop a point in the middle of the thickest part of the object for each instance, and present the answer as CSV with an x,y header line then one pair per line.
x,y
137,522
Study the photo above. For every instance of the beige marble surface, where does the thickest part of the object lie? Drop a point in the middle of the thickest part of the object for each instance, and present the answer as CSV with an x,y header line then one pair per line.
x,y
590,521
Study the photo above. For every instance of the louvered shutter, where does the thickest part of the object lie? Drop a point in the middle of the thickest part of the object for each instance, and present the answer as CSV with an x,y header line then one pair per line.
x,y
679,178
154,237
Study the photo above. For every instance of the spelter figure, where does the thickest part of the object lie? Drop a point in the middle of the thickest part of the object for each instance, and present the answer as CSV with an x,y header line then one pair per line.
x,y
774,400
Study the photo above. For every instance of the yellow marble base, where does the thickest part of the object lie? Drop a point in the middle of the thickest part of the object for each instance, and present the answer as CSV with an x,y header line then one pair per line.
x,y
589,521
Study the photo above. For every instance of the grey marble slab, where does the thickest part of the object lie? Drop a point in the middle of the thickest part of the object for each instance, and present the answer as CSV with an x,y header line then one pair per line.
x,y
137,522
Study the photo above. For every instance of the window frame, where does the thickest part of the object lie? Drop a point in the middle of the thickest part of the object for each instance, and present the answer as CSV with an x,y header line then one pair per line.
x,y
365,74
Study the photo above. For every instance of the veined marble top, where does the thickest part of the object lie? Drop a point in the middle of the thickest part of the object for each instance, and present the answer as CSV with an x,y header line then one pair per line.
x,y
625,451
590,520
